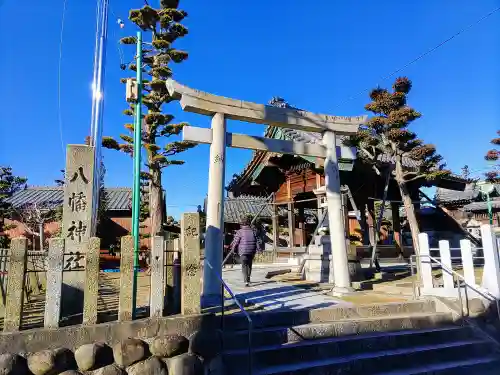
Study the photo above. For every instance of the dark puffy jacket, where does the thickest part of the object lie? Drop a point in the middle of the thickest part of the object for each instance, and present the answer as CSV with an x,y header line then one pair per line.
x,y
245,241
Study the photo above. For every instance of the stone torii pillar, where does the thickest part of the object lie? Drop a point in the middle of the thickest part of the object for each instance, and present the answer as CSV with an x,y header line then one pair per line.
x,y
336,220
221,108
214,235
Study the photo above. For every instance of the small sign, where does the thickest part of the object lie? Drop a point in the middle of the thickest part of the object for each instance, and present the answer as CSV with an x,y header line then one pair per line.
x,y
131,90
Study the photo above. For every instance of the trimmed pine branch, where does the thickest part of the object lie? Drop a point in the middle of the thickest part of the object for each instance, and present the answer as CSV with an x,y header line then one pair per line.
x,y
165,27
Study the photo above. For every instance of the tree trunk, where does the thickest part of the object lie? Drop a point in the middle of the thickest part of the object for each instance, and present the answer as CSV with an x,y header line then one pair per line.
x,y
155,202
410,214
407,204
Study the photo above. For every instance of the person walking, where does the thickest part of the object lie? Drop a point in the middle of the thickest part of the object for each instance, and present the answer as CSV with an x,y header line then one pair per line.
x,y
246,242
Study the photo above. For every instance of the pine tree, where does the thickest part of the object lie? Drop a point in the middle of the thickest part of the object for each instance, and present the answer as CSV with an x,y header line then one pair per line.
x,y
165,27
466,172
493,155
9,184
387,133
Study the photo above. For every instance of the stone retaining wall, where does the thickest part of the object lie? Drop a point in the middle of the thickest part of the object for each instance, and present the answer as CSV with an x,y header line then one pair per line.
x,y
73,336
183,345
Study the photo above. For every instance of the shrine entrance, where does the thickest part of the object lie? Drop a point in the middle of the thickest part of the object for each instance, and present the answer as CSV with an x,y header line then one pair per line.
x,y
222,108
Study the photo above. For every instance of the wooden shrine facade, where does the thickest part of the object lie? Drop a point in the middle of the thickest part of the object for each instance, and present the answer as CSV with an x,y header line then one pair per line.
x,y
297,183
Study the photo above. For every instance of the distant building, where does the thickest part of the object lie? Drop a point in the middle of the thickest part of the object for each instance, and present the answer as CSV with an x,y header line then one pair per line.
x,y
470,207
118,221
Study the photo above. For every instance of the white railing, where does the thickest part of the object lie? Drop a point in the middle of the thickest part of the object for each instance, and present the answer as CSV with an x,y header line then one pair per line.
x,y
459,284
463,285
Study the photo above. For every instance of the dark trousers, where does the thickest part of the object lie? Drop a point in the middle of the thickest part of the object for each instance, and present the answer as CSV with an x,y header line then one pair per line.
x,y
246,266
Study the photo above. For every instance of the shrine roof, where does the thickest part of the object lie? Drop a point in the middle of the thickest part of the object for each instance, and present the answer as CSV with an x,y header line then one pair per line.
x,y
471,193
235,209
316,138
482,206
260,158
118,199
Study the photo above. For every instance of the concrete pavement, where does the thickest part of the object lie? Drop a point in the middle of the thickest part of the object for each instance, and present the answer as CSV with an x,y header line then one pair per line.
x,y
272,295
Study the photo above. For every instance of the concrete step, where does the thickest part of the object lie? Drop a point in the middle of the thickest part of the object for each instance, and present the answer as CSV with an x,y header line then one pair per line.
x,y
291,318
404,289
280,335
387,360
318,349
487,365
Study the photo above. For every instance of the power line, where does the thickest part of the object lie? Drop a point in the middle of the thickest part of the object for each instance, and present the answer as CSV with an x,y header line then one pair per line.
x,y
115,36
429,51
59,114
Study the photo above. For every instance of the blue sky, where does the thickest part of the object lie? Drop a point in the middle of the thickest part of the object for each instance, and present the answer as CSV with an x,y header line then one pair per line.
x,y
321,55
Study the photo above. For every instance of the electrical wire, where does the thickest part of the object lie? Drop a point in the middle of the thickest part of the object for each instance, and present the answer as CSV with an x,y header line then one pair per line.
x,y
59,110
429,51
115,36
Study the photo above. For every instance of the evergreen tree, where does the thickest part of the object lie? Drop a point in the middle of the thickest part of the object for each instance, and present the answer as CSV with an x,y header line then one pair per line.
x,y
165,28
387,133
9,184
466,172
493,155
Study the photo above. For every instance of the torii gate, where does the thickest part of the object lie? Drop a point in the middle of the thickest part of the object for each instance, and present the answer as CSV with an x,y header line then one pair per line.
x,y
222,108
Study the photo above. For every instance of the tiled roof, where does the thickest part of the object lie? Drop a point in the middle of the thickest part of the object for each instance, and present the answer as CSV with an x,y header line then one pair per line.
x,y
235,209
471,193
308,137
50,197
481,206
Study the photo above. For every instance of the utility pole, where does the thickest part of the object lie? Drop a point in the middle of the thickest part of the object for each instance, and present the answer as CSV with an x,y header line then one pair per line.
x,y
136,191
98,100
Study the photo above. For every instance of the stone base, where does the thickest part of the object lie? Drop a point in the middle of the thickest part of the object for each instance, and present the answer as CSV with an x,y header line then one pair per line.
x,y
318,269
294,261
340,291
322,239
72,293
266,256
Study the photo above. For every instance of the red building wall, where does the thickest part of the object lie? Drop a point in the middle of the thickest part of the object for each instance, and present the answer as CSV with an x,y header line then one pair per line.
x,y
113,228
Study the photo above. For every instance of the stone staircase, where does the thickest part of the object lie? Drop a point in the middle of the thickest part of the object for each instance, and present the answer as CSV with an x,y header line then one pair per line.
x,y
383,339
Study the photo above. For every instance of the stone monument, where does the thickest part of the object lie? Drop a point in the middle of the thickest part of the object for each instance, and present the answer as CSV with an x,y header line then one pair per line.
x,y
76,224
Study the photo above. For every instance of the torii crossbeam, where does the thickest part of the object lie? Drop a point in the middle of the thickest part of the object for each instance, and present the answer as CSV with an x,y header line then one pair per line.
x,y
222,108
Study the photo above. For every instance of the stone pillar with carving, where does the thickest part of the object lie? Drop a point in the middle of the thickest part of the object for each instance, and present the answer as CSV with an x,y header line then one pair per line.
x,y
191,274
76,224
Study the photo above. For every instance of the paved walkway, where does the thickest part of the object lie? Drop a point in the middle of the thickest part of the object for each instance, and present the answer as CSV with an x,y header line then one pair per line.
x,y
271,295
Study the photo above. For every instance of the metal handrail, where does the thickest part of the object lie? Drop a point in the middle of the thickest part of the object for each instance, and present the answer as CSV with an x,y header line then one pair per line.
x,y
483,293
242,309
